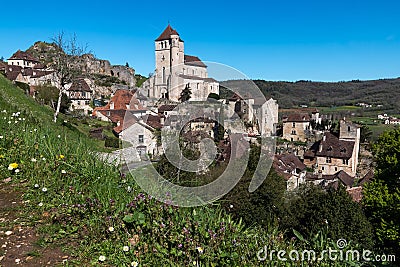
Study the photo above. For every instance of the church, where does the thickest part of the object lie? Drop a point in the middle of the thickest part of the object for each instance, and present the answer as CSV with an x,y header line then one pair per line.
x,y
176,71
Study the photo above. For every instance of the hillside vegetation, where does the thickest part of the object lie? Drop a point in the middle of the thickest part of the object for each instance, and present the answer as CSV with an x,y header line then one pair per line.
x,y
101,217
384,92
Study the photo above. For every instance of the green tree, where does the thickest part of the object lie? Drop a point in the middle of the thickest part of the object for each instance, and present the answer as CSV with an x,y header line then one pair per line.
x,y
312,210
48,95
185,94
381,197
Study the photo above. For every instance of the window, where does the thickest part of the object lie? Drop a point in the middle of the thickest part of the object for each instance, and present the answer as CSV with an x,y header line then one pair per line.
x,y
346,161
348,128
293,124
294,132
163,74
141,138
328,160
335,169
322,168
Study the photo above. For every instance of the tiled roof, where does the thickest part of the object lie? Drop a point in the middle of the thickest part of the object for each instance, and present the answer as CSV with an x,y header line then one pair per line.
x,y
341,175
297,117
23,55
331,146
367,178
285,164
12,72
194,61
121,99
163,108
166,34
80,85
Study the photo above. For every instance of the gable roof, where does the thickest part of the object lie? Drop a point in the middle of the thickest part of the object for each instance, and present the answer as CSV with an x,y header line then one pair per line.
x,y
297,117
285,164
332,146
166,34
121,99
193,61
12,72
79,85
23,55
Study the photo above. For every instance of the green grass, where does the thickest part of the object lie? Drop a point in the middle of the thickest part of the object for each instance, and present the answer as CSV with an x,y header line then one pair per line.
x,y
93,210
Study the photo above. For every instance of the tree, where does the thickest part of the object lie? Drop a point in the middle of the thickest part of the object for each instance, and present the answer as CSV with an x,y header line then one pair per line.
x,y
48,95
185,94
1,59
311,210
66,64
127,64
381,197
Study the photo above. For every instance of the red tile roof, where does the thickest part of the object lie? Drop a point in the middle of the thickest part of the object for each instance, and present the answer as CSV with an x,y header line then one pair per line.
x,y
194,61
166,34
122,99
23,55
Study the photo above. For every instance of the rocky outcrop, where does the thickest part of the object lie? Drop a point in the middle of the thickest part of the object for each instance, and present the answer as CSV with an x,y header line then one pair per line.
x,y
46,52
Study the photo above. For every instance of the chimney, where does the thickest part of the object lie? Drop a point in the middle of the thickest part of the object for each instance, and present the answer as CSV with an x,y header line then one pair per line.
x,y
162,120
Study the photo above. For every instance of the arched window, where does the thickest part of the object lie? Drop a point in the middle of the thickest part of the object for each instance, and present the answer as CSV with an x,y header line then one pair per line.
x,y
163,74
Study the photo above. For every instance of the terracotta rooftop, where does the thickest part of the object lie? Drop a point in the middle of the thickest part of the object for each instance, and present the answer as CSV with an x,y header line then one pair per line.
x,y
166,34
23,55
80,85
194,61
332,146
121,100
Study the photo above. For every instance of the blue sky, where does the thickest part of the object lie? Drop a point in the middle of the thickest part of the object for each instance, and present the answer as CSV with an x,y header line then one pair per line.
x,y
273,40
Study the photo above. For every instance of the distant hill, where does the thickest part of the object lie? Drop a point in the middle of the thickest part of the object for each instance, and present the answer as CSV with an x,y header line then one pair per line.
x,y
384,92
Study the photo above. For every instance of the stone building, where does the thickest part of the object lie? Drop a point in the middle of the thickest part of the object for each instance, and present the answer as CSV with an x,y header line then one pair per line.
x,y
297,127
175,71
337,153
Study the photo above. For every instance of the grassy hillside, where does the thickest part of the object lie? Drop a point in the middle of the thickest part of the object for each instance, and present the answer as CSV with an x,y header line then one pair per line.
x,y
100,217
385,92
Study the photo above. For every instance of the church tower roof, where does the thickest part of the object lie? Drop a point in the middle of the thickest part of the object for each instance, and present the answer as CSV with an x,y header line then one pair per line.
x,y
166,34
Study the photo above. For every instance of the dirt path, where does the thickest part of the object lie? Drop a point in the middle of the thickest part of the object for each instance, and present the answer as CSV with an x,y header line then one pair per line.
x,y
19,241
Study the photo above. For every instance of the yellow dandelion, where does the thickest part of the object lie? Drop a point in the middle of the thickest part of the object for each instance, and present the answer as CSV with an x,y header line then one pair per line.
x,y
13,166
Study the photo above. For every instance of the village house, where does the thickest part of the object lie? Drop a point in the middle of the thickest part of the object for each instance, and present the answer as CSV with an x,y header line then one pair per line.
x,y
23,59
297,127
80,95
336,153
175,70
291,169
140,133
120,102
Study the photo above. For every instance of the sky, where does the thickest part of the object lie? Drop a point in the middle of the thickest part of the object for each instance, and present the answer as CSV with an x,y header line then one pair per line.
x,y
325,40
